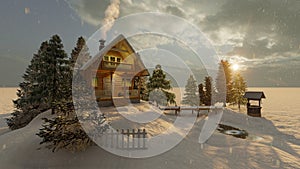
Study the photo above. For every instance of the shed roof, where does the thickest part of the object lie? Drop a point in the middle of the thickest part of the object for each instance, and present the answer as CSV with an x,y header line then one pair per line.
x,y
254,95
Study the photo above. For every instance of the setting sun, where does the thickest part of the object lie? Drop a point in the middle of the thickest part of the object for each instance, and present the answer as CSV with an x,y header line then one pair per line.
x,y
235,67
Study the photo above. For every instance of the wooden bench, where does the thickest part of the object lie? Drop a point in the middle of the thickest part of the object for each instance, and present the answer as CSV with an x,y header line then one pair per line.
x,y
193,108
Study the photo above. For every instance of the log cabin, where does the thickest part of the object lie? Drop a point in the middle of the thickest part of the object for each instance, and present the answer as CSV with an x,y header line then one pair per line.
x,y
116,72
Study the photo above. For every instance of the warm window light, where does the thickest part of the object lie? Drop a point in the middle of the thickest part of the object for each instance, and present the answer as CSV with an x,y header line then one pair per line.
x,y
95,82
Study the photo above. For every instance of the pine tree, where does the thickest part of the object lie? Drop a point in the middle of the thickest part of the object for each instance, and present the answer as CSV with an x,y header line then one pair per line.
x,y
48,84
30,101
228,77
201,94
238,91
208,91
158,87
143,88
80,54
190,96
65,131
57,72
221,85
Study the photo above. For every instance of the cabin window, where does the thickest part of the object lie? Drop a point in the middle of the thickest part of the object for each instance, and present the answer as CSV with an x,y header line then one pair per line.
x,y
118,60
112,59
95,82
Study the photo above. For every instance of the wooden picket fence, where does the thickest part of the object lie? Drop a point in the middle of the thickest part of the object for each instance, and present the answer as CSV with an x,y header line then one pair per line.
x,y
125,139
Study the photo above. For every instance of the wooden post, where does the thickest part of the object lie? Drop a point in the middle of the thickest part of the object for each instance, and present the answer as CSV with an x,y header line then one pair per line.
x,y
111,86
117,138
133,136
144,138
138,134
139,88
122,138
128,138
112,138
124,87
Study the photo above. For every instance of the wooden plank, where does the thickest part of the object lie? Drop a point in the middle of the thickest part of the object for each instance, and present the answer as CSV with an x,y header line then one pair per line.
x,y
188,108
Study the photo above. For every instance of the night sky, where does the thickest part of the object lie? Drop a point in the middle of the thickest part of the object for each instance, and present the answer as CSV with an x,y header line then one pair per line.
x,y
261,36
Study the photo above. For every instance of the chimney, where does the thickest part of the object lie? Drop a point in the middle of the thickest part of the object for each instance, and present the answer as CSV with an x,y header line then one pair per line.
x,y
102,42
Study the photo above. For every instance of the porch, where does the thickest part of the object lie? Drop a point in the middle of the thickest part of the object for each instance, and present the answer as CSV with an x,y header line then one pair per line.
x,y
105,97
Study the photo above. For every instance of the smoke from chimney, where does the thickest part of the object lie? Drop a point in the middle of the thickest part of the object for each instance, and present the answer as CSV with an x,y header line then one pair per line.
x,y
111,14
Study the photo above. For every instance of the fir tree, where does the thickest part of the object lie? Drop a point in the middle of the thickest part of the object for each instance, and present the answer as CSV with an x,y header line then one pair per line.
x,y
65,131
30,101
158,87
57,73
201,93
228,76
238,91
80,54
190,96
208,91
143,88
221,85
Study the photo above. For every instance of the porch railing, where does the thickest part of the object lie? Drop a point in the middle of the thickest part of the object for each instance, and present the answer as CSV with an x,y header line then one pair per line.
x,y
116,65
107,94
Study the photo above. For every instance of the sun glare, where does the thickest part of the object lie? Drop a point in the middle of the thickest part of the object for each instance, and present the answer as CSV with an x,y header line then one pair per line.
x,y
235,67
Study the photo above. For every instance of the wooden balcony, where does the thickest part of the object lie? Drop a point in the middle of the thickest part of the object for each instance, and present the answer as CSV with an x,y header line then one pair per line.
x,y
116,65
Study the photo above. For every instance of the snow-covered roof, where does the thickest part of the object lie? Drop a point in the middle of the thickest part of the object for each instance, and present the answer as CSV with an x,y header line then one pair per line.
x,y
254,95
105,50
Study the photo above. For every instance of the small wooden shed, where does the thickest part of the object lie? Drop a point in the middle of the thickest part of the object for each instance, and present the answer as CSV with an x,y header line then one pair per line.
x,y
254,109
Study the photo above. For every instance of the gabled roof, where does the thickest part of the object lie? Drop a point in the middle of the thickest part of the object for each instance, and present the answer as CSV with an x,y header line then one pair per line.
x,y
109,47
103,51
254,95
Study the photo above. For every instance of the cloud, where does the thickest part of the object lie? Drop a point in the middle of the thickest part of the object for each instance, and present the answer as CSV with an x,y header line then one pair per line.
x,y
254,33
241,24
91,11
266,28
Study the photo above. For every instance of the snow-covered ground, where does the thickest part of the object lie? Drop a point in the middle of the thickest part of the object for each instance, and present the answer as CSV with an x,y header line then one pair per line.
x,y
266,147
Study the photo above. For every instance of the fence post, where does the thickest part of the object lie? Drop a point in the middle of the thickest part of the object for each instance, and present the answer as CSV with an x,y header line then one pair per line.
x,y
139,144
117,138
122,138
112,138
128,134
133,136
144,138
